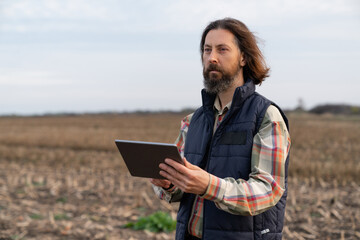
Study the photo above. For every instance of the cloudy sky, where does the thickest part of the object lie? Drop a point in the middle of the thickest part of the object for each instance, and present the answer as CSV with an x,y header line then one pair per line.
x,y
122,55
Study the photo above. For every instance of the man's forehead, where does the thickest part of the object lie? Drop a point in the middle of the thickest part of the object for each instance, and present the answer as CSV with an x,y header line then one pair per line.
x,y
219,37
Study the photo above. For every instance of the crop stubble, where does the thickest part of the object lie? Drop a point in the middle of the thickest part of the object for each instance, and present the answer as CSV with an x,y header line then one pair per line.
x,y
62,177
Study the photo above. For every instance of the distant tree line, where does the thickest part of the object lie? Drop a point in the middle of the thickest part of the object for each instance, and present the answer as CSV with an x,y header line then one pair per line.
x,y
336,109
320,109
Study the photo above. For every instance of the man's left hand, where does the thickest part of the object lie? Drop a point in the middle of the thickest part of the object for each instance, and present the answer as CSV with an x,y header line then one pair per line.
x,y
188,177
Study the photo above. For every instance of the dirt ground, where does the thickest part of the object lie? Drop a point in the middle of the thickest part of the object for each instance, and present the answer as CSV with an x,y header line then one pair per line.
x,y
54,187
46,203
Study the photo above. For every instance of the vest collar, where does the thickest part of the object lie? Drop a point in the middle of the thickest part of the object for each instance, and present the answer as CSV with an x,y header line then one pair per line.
x,y
240,94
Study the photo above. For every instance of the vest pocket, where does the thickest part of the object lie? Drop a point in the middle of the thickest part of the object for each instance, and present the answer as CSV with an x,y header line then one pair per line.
x,y
233,138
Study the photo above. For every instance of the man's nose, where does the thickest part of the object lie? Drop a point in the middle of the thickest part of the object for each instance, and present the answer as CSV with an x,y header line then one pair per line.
x,y
213,57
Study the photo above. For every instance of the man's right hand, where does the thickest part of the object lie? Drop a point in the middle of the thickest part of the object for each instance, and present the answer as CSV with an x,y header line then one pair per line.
x,y
161,182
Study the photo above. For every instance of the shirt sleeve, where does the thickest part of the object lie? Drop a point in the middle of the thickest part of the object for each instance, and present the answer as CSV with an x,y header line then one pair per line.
x,y
266,183
175,194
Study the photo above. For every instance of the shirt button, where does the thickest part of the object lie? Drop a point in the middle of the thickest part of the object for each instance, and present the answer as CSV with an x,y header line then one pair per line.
x,y
195,212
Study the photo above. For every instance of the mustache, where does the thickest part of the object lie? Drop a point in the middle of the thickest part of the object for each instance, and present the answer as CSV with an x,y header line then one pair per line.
x,y
212,67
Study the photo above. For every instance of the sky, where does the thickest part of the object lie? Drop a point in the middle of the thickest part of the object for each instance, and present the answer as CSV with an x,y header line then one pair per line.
x,y
120,55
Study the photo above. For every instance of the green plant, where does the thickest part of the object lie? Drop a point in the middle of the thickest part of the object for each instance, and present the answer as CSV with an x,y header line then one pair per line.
x,y
61,200
20,191
36,216
61,216
156,222
38,184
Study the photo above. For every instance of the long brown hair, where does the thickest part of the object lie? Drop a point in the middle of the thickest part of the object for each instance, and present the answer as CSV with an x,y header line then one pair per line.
x,y
255,68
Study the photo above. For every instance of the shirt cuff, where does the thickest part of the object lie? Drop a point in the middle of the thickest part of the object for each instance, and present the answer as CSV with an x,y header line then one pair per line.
x,y
215,190
170,190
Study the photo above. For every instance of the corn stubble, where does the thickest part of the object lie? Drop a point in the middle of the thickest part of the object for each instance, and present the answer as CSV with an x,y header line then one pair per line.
x,y
62,177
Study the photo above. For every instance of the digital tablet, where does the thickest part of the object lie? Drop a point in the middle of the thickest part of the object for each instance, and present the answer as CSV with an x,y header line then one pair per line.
x,y
143,158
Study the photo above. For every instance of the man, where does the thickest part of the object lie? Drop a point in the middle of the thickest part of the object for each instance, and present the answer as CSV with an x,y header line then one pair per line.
x,y
233,184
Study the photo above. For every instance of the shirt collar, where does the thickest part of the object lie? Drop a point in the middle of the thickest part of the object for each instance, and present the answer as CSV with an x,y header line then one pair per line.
x,y
217,106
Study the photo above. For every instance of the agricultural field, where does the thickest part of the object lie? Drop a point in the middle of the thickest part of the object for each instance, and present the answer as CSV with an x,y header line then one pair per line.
x,y
61,177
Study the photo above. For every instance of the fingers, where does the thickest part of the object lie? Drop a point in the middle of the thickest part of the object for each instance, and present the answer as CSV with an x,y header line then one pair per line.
x,y
188,177
160,182
169,172
175,172
189,165
175,181
175,165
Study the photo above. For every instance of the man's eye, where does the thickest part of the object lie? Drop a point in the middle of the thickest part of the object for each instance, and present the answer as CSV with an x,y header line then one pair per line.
x,y
223,49
207,50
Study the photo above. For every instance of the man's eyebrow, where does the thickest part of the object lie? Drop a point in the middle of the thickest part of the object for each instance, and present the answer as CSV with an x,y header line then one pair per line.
x,y
218,45
222,45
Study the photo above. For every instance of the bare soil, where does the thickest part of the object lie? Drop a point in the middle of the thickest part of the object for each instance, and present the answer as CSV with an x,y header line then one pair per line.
x,y
62,178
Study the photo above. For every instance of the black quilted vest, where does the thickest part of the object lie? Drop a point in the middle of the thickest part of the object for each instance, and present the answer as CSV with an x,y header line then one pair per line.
x,y
227,153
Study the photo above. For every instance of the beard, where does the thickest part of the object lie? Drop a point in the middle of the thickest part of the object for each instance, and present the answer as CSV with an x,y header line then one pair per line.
x,y
221,80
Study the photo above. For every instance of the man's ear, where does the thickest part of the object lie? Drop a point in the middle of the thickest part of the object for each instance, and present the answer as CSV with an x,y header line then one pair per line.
x,y
242,59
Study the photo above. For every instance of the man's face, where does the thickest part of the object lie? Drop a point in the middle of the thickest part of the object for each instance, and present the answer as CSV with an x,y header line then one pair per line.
x,y
222,61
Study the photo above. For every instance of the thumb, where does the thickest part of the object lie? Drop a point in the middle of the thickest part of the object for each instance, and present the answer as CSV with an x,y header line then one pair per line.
x,y
188,165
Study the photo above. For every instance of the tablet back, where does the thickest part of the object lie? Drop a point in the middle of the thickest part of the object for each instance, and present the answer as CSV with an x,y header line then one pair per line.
x,y
143,158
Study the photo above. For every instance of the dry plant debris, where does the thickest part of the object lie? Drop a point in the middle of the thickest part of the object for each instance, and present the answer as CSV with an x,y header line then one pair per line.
x,y
62,177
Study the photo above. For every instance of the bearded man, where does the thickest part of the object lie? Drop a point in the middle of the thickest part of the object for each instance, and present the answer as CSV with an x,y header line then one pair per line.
x,y
233,184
